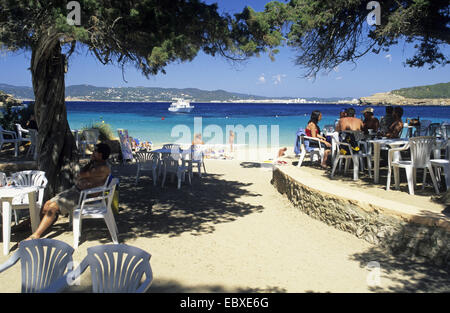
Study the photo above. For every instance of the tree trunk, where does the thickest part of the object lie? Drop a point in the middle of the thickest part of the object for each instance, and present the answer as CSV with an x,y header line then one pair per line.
x,y
57,154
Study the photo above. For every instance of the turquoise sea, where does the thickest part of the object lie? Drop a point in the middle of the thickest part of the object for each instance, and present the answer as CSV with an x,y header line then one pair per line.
x,y
152,121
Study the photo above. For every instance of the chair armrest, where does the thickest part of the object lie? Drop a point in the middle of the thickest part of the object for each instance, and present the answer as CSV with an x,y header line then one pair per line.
x,y
93,190
404,148
339,144
315,139
10,262
67,280
10,133
145,285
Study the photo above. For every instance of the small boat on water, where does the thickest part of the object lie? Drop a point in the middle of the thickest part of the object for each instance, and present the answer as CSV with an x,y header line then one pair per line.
x,y
181,105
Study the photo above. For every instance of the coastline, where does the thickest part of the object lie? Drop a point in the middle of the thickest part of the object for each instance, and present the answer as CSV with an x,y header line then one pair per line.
x,y
374,100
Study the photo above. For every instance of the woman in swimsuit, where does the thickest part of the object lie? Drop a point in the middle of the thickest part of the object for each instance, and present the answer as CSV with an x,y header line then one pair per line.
x,y
313,130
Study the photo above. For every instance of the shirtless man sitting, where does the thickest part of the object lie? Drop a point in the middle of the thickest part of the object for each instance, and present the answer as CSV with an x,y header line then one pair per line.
x,y
94,174
350,122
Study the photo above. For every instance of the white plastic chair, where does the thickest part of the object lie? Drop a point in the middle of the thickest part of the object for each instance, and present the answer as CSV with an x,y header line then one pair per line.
x,y
171,165
32,150
43,262
444,165
147,161
114,269
197,157
347,157
420,148
90,138
96,203
21,132
12,139
318,152
423,129
29,178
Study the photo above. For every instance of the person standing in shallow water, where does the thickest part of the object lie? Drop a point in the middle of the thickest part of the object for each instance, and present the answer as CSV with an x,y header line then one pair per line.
x,y
231,140
313,130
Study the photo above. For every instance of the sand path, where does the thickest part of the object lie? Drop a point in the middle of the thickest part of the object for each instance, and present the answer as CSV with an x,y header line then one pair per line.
x,y
233,232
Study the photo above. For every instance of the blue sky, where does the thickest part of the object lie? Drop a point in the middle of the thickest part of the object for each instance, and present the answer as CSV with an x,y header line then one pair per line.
x,y
257,76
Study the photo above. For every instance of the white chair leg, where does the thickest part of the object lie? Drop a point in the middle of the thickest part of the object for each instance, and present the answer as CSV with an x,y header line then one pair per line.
x,y
179,176
355,167
424,178
76,221
302,156
410,178
433,178
369,166
154,177
137,174
110,223
6,209
335,164
347,165
397,177
164,178
388,183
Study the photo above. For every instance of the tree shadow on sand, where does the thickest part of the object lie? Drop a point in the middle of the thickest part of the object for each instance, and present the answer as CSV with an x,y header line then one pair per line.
x,y
172,286
148,210
406,274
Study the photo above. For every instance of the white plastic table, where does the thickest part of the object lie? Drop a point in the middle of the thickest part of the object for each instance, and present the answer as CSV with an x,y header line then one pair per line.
x,y
377,143
7,194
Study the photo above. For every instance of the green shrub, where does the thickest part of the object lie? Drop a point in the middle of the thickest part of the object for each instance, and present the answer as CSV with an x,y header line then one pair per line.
x,y
106,132
9,117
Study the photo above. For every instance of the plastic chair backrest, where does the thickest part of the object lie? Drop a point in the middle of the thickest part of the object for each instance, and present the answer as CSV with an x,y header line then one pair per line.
x,y
91,135
143,156
421,148
445,130
423,129
31,178
43,261
434,130
118,268
172,146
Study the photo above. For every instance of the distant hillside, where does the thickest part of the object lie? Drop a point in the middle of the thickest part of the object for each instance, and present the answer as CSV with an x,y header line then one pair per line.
x,y
144,94
149,94
437,91
19,92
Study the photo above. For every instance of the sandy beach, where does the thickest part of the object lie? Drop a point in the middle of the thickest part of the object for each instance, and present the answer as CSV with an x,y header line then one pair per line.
x,y
231,231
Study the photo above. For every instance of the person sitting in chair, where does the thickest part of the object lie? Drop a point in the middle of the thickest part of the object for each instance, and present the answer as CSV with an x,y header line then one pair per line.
x,y
313,130
349,122
370,122
396,128
94,174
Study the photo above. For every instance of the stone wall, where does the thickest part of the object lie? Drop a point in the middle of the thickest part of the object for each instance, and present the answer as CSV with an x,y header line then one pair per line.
x,y
399,237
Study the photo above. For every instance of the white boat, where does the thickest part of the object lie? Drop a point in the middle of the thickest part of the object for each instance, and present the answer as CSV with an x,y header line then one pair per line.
x,y
181,106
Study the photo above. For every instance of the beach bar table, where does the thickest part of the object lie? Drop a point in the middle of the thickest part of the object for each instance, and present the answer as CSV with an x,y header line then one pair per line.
x,y
7,194
377,143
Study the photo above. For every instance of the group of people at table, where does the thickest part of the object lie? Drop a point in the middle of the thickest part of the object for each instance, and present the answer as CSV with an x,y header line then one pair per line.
x,y
390,126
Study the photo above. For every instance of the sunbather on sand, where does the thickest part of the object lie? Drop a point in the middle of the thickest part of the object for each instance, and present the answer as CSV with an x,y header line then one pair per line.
x,y
92,175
